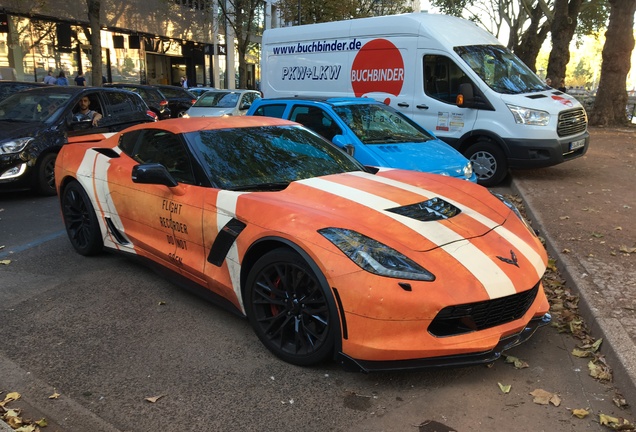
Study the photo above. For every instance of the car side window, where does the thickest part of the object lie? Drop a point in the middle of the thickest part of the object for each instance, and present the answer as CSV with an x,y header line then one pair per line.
x,y
274,110
121,103
442,78
95,103
317,120
160,146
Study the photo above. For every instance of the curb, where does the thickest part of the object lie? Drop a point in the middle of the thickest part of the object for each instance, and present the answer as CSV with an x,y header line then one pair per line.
x,y
5,427
618,347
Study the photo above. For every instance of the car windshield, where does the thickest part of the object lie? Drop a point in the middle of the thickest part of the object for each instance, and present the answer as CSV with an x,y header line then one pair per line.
x,y
378,124
217,100
500,69
32,107
266,158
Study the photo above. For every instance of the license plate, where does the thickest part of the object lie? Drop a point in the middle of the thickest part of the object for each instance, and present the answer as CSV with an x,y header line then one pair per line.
x,y
577,144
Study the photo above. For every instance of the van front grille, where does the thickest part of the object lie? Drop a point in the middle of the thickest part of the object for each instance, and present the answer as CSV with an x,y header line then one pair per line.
x,y
572,122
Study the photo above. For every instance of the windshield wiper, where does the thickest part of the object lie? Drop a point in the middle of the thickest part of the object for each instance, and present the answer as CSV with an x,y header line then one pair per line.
x,y
273,186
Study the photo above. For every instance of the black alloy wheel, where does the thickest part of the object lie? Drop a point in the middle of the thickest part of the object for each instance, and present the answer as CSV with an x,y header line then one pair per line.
x,y
45,181
80,220
289,309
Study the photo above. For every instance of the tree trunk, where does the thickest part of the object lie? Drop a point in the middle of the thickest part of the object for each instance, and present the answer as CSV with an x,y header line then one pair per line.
x,y
94,7
532,39
562,29
611,98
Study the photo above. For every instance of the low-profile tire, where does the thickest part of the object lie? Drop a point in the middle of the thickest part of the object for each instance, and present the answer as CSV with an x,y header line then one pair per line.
x,y
291,312
45,175
80,220
489,162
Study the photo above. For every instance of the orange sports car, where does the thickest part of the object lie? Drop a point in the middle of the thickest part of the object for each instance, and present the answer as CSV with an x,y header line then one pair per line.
x,y
378,269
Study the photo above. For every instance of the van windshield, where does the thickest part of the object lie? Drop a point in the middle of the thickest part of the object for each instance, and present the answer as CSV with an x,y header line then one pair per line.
x,y
379,124
500,69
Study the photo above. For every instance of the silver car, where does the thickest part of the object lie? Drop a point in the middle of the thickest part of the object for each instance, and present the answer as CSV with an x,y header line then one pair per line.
x,y
217,103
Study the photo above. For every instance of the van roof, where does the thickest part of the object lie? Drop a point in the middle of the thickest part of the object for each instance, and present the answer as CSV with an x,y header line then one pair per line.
x,y
444,29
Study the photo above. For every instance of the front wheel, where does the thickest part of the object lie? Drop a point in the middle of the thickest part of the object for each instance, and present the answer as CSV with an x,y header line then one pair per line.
x,y
489,162
45,175
81,222
289,309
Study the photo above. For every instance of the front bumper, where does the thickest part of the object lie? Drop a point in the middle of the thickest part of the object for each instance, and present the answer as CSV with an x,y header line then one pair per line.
x,y
367,366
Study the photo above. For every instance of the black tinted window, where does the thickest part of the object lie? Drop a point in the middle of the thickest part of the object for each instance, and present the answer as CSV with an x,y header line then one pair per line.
x,y
122,103
270,111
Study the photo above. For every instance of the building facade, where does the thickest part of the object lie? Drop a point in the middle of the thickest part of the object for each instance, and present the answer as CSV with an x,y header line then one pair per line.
x,y
143,41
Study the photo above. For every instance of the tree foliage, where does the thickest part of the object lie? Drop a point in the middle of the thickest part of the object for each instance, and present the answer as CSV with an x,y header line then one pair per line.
x,y
316,11
242,16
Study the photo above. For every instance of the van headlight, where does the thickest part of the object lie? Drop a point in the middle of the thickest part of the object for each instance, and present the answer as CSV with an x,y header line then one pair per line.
x,y
15,145
529,116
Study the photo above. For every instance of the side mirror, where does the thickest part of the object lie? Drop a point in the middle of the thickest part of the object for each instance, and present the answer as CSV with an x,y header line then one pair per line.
x,y
341,142
153,173
466,95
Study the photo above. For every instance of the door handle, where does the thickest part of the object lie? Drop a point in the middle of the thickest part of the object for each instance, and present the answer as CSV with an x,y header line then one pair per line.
x,y
422,106
403,105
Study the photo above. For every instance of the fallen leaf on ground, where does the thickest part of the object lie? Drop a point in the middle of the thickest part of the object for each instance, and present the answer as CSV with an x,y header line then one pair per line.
x,y
616,423
10,397
628,250
505,388
518,363
543,397
580,353
42,422
55,395
580,413
154,399
5,262
599,372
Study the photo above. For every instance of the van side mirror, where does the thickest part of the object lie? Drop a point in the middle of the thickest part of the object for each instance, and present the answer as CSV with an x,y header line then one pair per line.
x,y
466,96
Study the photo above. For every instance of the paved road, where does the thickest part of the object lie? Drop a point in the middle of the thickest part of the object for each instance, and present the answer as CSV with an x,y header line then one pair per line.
x,y
106,333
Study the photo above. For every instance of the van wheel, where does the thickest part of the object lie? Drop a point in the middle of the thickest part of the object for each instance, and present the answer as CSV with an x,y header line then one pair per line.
x,y
45,175
489,162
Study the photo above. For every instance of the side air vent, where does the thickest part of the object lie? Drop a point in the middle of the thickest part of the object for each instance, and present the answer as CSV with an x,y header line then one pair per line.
x,y
431,210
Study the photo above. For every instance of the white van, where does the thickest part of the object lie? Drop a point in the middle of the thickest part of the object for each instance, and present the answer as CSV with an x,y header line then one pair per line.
x,y
417,63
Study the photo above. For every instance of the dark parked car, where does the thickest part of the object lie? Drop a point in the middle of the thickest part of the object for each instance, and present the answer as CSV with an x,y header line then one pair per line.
x,y
7,88
35,123
153,97
179,99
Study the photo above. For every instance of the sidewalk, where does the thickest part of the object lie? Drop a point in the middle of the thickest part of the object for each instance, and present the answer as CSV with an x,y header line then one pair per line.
x,y
586,211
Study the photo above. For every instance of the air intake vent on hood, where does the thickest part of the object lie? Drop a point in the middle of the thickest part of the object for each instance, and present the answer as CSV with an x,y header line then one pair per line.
x,y
431,210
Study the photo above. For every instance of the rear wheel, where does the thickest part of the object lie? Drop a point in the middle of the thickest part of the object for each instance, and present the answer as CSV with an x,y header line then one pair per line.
x,y
45,175
289,309
489,162
80,220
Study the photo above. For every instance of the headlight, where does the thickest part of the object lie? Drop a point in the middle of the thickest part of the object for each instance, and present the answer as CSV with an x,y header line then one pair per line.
x,y
15,145
529,116
515,210
468,170
374,256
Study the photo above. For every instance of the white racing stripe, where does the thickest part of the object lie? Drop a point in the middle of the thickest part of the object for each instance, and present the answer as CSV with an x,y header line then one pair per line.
x,y
226,200
524,248
493,279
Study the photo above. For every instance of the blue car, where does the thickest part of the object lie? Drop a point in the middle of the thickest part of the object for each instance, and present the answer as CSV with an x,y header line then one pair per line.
x,y
372,132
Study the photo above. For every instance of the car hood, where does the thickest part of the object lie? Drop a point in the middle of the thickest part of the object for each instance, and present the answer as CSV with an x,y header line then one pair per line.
x,y
432,156
391,206
10,129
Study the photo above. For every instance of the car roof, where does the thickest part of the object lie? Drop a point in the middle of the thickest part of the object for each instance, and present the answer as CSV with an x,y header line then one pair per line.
x,y
318,100
73,90
183,125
